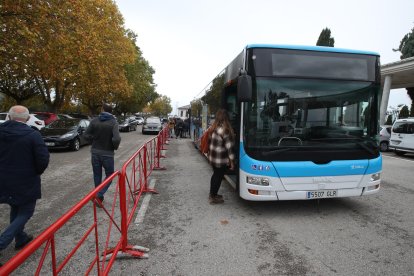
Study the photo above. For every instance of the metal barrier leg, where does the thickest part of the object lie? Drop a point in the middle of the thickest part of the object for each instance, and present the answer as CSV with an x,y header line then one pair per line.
x,y
157,166
134,251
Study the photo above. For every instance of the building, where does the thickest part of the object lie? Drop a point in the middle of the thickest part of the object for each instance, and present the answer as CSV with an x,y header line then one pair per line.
x,y
183,111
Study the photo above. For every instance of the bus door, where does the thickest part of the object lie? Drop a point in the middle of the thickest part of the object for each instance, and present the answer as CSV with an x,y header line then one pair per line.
x,y
229,103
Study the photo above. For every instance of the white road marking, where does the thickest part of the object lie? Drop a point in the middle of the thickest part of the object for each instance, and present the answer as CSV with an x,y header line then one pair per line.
x,y
399,158
144,206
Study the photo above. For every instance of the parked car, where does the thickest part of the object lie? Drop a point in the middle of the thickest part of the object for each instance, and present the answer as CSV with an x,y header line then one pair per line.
x,y
80,116
47,117
127,124
402,136
151,125
140,120
384,139
3,116
66,133
64,116
33,121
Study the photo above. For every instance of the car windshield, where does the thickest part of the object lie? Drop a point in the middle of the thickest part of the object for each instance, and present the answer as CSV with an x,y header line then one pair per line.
x,y
64,123
304,115
3,116
42,116
153,121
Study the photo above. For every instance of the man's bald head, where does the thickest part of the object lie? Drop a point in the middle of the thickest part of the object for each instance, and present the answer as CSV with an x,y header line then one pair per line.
x,y
19,113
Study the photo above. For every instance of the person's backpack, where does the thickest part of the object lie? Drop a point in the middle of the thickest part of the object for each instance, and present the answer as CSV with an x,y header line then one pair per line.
x,y
204,141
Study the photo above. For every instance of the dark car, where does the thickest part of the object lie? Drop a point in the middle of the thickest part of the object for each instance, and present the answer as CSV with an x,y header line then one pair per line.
x,y
66,133
151,125
80,116
127,124
65,116
47,117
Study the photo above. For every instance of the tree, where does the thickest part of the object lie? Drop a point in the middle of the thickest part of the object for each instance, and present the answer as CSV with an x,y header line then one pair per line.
x,y
404,112
196,107
407,50
161,106
389,120
140,77
213,94
325,38
71,50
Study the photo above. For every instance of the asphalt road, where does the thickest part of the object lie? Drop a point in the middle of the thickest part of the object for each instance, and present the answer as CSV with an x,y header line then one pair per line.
x,y
353,236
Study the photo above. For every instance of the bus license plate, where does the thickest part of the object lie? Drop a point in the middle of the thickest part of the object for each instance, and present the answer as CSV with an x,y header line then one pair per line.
x,y
322,194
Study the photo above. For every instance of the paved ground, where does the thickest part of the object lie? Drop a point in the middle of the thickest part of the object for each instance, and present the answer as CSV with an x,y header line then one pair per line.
x,y
187,236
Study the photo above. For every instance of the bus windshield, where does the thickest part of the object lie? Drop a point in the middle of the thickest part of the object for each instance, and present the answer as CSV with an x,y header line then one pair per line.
x,y
314,119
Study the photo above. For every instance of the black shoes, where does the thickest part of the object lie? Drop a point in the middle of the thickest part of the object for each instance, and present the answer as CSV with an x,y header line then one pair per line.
x,y
215,199
21,245
99,201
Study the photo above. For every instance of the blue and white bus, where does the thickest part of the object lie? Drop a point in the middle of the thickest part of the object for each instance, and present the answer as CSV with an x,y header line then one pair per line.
x,y
307,119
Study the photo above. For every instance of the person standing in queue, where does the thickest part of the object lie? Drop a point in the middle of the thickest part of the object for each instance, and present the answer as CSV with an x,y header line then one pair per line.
x,y
103,131
220,154
23,158
171,126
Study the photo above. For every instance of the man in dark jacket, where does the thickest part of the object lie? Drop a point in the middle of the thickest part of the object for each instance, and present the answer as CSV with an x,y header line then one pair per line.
x,y
23,158
104,133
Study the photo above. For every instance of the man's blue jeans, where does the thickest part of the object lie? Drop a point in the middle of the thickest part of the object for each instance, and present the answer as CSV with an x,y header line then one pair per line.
x,y
99,162
19,215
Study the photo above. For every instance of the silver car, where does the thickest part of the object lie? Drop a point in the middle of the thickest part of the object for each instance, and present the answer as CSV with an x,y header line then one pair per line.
x,y
384,139
151,125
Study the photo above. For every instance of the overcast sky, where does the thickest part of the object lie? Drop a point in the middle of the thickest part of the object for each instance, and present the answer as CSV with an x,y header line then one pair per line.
x,y
188,42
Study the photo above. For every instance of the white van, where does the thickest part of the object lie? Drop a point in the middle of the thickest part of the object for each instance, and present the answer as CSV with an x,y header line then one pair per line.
x,y
402,136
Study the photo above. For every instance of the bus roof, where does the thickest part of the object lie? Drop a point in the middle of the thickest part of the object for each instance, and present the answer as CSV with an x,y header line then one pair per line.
x,y
311,48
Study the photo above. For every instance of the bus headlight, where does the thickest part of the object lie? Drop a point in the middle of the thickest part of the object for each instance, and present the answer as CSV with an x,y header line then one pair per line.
x,y
262,181
375,176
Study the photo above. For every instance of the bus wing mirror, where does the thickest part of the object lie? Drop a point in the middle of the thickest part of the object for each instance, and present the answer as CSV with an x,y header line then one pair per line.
x,y
244,87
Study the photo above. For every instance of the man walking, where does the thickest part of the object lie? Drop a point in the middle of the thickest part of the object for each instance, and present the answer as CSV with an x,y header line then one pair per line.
x,y
23,158
104,133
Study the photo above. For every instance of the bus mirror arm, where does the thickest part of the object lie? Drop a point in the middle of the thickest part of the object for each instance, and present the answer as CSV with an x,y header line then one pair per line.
x,y
244,87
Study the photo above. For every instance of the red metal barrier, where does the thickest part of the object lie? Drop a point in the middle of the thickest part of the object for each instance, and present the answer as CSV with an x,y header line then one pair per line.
x,y
131,183
48,239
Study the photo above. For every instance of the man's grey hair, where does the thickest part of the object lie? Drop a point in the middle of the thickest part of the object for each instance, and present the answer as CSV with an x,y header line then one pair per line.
x,y
19,113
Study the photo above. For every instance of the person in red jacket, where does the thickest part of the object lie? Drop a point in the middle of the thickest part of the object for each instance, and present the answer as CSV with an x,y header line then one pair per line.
x,y
23,158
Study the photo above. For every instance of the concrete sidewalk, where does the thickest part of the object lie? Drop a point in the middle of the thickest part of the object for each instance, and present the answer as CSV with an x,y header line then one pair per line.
x,y
186,235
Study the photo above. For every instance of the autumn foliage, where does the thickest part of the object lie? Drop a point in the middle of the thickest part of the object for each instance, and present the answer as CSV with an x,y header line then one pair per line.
x,y
69,51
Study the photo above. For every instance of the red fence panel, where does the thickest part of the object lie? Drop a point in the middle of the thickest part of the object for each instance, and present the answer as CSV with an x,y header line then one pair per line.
x,y
106,237
60,257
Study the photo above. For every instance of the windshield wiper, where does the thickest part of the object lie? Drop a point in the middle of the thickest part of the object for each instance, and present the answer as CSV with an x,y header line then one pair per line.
x,y
277,151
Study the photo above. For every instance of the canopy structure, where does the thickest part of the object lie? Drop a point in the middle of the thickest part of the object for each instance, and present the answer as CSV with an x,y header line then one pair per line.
x,y
399,74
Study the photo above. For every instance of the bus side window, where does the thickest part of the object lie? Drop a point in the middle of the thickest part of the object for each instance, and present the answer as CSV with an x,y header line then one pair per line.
x,y
232,110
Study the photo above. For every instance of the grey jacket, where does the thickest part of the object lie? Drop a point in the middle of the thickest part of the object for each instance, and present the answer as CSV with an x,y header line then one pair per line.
x,y
104,134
